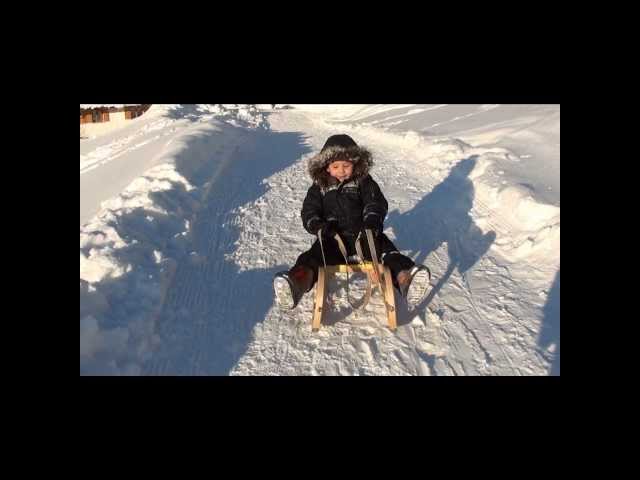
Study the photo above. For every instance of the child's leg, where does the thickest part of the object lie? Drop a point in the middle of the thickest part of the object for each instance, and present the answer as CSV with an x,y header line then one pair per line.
x,y
312,259
411,280
306,262
290,286
391,257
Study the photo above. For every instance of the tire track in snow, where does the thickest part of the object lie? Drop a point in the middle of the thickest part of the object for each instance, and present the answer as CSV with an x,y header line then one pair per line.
x,y
211,306
187,311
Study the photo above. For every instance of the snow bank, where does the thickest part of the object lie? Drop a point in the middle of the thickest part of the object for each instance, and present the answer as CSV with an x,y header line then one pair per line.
x,y
124,269
534,226
129,251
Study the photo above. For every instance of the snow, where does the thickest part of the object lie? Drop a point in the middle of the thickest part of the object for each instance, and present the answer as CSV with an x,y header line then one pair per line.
x,y
526,138
188,211
109,163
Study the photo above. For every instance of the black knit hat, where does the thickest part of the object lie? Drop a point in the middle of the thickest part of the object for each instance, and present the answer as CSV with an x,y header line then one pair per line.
x,y
342,141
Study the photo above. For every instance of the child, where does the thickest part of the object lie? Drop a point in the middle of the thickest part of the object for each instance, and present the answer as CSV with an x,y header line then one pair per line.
x,y
344,199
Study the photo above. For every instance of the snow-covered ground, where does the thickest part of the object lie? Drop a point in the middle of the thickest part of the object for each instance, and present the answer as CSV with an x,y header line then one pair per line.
x,y
109,163
188,211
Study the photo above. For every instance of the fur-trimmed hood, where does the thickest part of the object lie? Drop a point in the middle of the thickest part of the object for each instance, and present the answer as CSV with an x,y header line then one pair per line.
x,y
360,157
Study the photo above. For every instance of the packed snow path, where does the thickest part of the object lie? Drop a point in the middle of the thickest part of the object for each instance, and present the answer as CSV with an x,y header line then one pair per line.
x,y
492,309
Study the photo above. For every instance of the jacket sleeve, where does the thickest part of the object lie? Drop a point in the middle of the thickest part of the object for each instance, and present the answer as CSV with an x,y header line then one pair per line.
x,y
375,205
312,208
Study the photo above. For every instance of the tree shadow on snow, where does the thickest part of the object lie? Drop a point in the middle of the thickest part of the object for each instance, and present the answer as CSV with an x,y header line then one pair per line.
x,y
204,322
442,216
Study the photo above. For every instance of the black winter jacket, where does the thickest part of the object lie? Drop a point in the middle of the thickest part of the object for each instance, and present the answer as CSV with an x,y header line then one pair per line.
x,y
349,203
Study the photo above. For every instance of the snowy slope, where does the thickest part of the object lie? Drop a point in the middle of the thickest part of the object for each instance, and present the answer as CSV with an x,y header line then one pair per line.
x,y
176,270
530,134
127,153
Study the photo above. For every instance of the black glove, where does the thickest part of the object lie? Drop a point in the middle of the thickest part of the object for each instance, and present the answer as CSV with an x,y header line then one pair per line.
x,y
328,228
372,223
316,225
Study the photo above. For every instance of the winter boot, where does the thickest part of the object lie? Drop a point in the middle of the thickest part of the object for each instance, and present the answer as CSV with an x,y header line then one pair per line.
x,y
413,284
290,286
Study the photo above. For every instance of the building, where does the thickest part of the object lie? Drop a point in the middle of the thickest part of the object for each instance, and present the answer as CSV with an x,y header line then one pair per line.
x,y
99,119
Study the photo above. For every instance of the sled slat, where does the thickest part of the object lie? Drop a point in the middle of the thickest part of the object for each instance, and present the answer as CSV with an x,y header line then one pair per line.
x,y
389,299
366,267
318,307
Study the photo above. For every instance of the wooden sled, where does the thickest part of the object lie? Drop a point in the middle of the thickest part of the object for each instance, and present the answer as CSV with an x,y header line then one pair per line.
x,y
324,275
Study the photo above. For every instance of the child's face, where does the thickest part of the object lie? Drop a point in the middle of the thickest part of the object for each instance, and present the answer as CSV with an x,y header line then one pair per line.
x,y
340,169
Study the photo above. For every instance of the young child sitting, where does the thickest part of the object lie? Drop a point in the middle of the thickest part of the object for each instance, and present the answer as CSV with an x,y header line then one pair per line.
x,y
344,199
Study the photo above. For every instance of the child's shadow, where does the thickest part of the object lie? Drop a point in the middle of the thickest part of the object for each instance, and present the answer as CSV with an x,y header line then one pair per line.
x,y
441,217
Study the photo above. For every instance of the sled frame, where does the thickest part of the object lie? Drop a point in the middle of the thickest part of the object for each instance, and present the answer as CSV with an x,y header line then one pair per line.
x,y
386,286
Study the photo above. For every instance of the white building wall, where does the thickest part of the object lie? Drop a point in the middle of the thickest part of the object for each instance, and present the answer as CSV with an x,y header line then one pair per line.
x,y
116,120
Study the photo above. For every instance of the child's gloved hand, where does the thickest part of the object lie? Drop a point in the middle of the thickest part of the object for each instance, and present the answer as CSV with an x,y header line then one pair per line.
x,y
372,223
316,225
329,229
